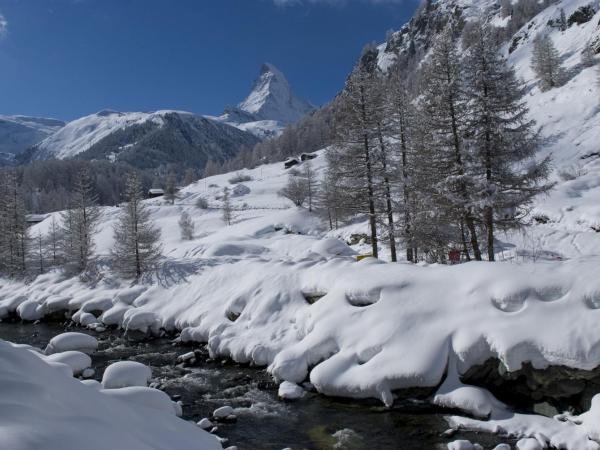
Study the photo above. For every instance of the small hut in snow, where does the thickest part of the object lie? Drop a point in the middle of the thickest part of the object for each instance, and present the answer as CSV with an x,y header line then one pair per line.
x,y
155,192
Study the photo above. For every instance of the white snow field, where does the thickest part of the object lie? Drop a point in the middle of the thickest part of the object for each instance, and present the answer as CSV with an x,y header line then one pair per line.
x,y
277,289
43,407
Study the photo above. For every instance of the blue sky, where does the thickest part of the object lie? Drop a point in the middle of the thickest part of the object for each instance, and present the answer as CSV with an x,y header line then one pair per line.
x,y
68,58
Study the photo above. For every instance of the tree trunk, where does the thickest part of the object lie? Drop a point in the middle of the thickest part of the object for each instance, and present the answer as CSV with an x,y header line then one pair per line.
x,y
473,233
388,201
369,175
370,192
406,197
489,223
469,222
463,238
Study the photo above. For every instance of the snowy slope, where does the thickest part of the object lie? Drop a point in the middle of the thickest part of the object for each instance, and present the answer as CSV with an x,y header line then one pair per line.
x,y
569,120
568,117
145,140
17,133
270,106
79,135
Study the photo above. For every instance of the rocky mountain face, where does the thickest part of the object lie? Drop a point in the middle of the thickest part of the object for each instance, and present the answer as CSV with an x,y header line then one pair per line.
x,y
144,140
270,106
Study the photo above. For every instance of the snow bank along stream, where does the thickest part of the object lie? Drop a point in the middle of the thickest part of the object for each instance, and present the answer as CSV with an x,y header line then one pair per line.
x,y
263,421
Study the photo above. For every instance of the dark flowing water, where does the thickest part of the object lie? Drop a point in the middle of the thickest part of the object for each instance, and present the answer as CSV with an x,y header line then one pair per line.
x,y
264,422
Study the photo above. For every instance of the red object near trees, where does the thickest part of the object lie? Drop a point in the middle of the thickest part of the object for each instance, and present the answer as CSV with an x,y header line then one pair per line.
x,y
454,256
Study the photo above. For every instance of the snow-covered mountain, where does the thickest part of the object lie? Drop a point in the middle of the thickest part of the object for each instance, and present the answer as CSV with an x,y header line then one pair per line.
x,y
270,106
17,133
272,98
144,139
152,138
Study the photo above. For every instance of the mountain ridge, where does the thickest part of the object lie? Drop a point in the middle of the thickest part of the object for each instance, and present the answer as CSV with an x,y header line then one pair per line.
x,y
144,140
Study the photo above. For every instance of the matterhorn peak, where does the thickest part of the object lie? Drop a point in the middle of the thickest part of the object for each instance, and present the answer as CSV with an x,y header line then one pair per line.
x,y
272,98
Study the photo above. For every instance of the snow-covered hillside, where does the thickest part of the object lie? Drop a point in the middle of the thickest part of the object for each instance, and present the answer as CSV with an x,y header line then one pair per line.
x,y
270,106
569,120
568,117
145,139
18,133
80,134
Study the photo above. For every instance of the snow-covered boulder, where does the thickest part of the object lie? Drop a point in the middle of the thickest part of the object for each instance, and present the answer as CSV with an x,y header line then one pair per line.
x,y
144,321
126,374
84,318
57,303
88,373
30,310
462,444
145,396
189,357
97,304
114,315
205,424
72,341
290,391
77,361
529,444
223,412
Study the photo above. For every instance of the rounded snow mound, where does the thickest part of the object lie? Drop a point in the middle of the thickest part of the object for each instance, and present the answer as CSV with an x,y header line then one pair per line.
x,y
144,321
126,374
290,391
231,249
331,247
77,361
72,341
146,397
30,310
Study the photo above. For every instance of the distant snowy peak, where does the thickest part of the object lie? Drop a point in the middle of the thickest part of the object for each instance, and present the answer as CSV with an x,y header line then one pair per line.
x,y
17,133
270,106
272,98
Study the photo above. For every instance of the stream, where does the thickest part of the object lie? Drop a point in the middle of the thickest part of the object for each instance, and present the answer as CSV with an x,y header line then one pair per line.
x,y
264,422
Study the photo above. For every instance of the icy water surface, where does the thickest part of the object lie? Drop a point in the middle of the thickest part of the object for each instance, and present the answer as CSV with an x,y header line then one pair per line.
x,y
264,422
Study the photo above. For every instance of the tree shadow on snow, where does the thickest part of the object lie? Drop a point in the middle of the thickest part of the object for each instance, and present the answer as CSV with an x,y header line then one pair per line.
x,y
173,272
